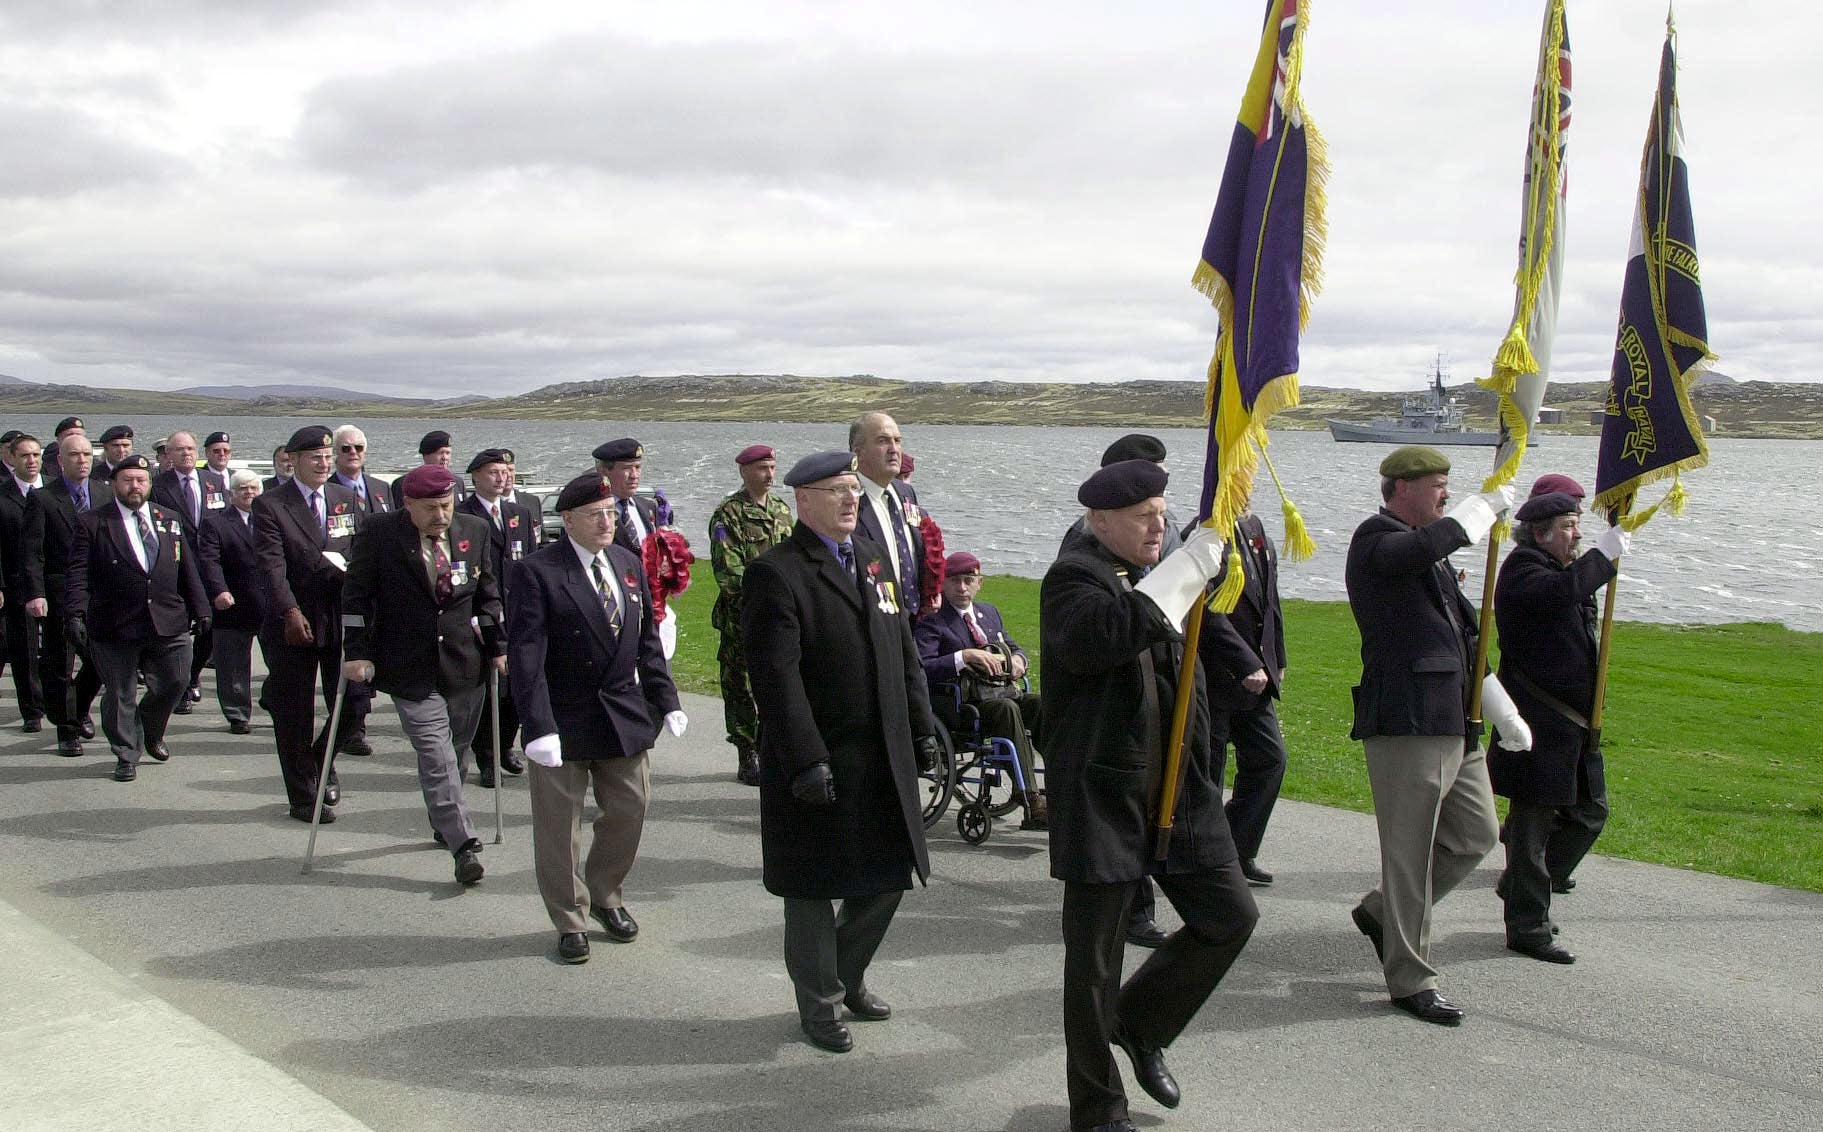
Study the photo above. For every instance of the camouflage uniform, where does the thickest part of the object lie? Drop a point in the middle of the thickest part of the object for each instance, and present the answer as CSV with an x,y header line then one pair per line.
x,y
740,531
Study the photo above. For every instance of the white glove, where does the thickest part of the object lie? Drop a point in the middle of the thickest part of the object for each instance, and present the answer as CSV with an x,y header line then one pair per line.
x,y
1613,542
546,751
1499,709
676,721
1175,584
1477,513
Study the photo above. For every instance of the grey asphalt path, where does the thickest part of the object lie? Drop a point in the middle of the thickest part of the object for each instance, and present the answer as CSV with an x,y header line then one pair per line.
x,y
161,933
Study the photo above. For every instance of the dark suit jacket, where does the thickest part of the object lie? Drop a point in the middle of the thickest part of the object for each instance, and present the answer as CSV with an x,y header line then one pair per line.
x,y
218,479
121,601
836,679
623,532
1546,617
1236,645
1417,630
293,572
212,498
1110,683
417,646
509,543
272,483
50,531
229,561
12,531
943,634
535,505
603,694
868,526
379,495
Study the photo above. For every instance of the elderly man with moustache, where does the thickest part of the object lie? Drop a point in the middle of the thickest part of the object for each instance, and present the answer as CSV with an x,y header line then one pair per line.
x,y
116,445
886,515
422,614
622,463
845,724
51,515
1425,766
132,596
1111,619
281,470
25,455
230,569
433,448
218,449
1544,608
746,524
592,686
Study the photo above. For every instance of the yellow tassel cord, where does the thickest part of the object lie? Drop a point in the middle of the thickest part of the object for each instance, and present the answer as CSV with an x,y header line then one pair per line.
x,y
1298,546
1514,359
1676,500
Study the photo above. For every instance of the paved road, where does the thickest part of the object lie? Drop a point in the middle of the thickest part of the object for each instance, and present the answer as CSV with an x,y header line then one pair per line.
x,y
167,965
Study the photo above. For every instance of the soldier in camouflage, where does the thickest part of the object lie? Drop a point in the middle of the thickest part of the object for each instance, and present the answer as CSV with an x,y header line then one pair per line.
x,y
747,524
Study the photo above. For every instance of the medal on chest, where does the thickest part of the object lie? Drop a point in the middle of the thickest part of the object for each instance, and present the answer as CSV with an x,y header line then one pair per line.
x,y
458,573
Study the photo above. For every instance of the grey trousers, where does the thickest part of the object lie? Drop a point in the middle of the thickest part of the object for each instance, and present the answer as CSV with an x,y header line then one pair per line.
x,y
1436,815
827,952
570,883
436,727
130,723
234,674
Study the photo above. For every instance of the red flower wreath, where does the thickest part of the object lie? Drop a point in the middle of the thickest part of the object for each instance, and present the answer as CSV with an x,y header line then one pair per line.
x,y
666,556
930,579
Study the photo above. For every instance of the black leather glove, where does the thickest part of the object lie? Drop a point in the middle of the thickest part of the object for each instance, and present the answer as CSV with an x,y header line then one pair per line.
x,y
203,624
814,786
930,753
76,631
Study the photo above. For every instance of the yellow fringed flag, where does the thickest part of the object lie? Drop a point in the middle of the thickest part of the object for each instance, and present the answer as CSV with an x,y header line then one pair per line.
x,y
1261,266
1522,364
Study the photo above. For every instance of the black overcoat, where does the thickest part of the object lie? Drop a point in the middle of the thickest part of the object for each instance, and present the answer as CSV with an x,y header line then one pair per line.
x,y
1418,632
836,679
230,564
1105,730
394,621
515,538
1545,613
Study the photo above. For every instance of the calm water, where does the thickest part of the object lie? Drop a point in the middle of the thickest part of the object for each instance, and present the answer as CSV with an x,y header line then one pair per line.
x,y
1749,548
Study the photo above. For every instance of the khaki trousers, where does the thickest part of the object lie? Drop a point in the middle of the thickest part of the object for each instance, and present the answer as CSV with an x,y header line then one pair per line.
x,y
570,883
1436,815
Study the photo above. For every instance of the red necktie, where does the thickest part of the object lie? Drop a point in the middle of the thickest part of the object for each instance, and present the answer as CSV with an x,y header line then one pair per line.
x,y
974,630
446,585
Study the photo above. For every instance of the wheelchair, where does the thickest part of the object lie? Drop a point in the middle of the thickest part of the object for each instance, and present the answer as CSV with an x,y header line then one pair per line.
x,y
980,772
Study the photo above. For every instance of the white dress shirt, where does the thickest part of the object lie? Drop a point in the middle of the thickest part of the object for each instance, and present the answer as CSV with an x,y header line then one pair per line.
x,y
607,571
876,498
132,525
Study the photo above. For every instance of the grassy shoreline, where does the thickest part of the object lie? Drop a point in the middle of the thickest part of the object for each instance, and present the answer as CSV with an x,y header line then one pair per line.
x,y
1710,737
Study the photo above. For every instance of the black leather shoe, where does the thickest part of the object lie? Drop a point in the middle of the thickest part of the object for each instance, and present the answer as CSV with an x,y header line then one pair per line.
x,y
31,726
1430,1006
438,838
355,745
618,923
124,771
1547,949
69,748
86,727
1149,1068
512,763
573,947
1560,887
184,706
1370,928
1256,876
747,769
468,867
332,795
1147,934
239,727
1121,1125
867,1006
830,1034
484,777
302,813
159,752
194,694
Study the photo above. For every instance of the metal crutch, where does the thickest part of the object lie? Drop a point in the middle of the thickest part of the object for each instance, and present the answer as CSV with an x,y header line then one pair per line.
x,y
322,782
493,695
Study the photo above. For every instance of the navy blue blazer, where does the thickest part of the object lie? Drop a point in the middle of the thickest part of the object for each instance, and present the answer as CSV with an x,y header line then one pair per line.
x,y
942,634
230,564
120,600
603,694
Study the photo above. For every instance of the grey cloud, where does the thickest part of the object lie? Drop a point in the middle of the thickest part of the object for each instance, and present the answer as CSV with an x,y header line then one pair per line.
x,y
97,22
57,150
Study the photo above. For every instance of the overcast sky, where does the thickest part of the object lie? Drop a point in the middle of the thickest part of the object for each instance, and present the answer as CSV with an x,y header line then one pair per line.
x,y
452,197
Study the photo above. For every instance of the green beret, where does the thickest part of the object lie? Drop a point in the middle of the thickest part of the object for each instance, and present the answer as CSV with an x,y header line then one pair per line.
x,y
1414,460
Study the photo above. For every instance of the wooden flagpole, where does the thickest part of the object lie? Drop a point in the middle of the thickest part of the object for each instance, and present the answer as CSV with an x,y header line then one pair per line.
x,y
1180,727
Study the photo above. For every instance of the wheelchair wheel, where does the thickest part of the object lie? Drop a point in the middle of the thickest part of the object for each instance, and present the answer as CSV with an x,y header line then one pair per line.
x,y
974,823
998,790
939,784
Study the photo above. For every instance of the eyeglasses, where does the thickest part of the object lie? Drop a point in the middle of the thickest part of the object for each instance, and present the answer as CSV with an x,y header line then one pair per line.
x,y
354,447
837,492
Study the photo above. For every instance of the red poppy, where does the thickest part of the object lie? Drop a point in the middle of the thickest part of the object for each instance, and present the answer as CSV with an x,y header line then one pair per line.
x,y
513,522
462,547
631,580
873,569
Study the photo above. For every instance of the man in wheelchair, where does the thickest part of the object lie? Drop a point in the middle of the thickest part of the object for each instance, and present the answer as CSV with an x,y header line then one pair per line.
x,y
975,671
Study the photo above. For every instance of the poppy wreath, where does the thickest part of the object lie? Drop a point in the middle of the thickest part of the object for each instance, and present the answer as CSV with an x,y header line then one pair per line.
x,y
666,556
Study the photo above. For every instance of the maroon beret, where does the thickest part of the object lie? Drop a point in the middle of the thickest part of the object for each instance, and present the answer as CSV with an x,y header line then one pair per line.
x,y
905,463
754,452
961,562
427,481
1550,482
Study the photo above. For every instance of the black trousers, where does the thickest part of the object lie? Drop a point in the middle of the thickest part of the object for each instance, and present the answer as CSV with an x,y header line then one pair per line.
x,y
202,650
1545,844
22,654
67,699
134,724
289,695
1162,996
827,952
1015,720
1259,770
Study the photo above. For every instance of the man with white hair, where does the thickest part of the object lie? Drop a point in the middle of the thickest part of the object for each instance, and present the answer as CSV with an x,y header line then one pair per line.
x,y
229,562
351,472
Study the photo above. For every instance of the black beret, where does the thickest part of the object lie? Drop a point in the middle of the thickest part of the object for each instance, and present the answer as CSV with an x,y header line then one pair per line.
x,y
66,424
1134,446
626,448
310,438
217,438
508,456
1548,506
10,435
134,461
488,456
1412,461
581,490
820,466
117,432
1122,485
432,441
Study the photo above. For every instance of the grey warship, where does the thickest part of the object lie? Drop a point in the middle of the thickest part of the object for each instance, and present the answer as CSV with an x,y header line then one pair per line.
x,y
1432,416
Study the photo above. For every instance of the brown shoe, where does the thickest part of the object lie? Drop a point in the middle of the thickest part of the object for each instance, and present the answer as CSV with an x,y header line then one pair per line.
x,y
1037,811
